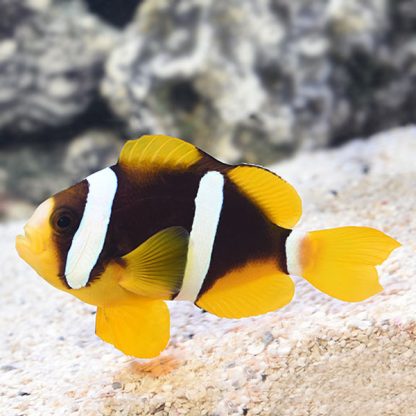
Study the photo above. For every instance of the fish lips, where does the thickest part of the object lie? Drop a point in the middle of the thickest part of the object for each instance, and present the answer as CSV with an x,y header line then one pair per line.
x,y
29,245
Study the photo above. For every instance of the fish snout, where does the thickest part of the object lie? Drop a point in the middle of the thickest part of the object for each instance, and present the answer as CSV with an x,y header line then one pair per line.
x,y
36,231
31,241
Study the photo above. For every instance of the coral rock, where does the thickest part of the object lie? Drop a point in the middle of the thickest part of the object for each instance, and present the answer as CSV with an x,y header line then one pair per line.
x,y
265,78
32,175
50,62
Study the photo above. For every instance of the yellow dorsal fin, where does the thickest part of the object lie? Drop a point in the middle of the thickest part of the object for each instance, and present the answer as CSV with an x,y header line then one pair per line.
x,y
155,269
141,330
274,196
158,150
255,289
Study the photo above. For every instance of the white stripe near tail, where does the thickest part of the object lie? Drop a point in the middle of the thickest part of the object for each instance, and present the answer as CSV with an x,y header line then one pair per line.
x,y
293,252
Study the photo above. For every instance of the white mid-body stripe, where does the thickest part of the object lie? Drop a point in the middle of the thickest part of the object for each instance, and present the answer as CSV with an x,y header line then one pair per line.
x,y
208,206
89,239
293,252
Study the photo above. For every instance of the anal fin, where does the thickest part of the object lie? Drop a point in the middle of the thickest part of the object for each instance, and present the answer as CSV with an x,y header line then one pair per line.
x,y
255,289
141,329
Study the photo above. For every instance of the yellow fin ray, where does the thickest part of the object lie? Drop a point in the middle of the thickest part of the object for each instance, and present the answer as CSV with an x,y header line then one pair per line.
x,y
341,261
141,330
255,289
278,200
155,269
158,150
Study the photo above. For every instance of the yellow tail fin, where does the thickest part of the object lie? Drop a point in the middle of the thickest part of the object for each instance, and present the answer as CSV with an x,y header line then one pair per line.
x,y
340,261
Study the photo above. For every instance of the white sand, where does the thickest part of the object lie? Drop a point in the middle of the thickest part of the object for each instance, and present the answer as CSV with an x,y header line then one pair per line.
x,y
317,356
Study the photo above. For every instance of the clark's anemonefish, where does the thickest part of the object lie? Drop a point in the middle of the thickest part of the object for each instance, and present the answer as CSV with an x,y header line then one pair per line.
x,y
169,222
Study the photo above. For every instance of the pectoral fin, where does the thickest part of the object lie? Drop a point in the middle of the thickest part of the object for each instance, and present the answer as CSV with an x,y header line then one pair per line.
x,y
155,269
141,330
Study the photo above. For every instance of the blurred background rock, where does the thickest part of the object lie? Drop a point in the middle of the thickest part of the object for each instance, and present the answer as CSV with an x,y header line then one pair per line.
x,y
247,80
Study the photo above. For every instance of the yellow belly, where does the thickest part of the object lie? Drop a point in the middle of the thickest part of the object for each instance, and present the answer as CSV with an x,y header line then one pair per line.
x,y
105,290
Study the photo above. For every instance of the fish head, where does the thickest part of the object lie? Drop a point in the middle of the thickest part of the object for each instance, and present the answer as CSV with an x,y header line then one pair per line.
x,y
48,234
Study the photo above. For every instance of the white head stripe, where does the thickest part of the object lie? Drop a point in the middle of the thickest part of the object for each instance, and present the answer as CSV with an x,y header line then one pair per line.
x,y
89,239
293,253
208,206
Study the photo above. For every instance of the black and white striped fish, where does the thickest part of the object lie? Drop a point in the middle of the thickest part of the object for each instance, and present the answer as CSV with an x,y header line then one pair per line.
x,y
169,222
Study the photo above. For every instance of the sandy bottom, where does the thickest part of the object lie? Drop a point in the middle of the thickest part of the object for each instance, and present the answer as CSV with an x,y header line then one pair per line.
x,y
316,356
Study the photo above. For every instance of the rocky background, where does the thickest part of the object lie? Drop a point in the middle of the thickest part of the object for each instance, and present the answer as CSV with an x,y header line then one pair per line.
x,y
248,80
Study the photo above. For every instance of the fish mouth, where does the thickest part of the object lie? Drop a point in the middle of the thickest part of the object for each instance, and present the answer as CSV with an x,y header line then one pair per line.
x,y
29,242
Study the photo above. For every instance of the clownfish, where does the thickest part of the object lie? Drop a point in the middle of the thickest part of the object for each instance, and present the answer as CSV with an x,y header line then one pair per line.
x,y
169,222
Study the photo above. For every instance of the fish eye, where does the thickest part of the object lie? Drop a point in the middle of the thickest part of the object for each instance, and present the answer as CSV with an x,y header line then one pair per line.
x,y
63,220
